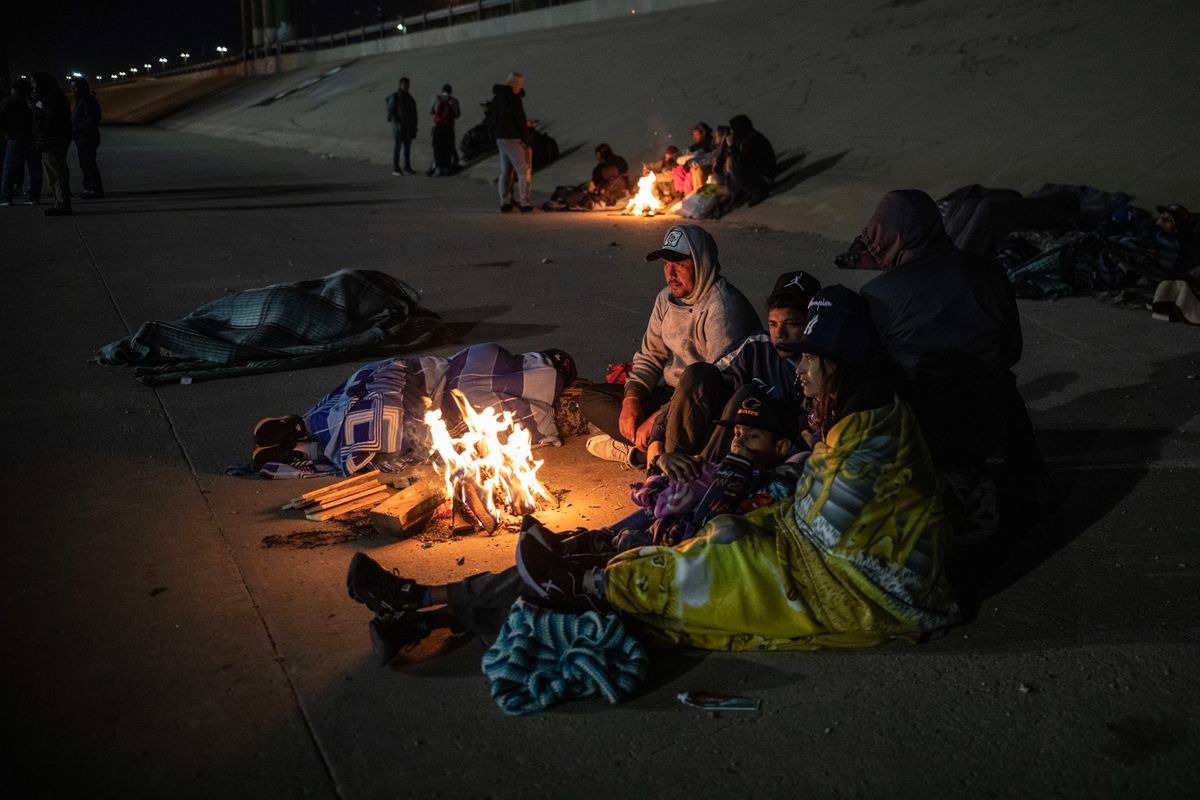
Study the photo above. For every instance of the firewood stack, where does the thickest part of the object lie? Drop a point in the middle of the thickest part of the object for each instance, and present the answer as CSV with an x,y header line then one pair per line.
x,y
353,494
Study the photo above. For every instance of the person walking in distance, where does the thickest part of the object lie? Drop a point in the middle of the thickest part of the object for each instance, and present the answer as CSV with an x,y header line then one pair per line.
x,y
52,135
402,113
514,140
85,130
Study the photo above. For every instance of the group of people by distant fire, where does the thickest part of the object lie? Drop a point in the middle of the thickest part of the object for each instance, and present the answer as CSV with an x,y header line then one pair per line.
x,y
735,161
803,482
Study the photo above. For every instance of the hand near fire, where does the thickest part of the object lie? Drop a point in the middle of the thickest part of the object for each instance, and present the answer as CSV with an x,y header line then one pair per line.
x,y
631,417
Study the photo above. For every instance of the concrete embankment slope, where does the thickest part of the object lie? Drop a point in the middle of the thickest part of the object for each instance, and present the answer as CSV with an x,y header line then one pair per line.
x,y
858,97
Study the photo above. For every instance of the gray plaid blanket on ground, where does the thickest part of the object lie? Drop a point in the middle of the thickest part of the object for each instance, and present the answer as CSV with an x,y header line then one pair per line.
x,y
347,315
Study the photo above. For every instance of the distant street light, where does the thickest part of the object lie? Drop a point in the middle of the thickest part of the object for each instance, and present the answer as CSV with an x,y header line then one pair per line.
x,y
147,66
133,69
401,27
122,74
114,77
76,74
163,61
222,50
185,57
99,78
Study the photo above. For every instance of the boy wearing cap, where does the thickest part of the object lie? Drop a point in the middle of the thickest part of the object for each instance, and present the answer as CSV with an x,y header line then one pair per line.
x,y
689,491
698,317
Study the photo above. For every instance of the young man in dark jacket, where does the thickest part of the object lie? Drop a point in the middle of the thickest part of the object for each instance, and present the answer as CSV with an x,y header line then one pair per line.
x,y
514,140
85,130
16,122
402,113
52,135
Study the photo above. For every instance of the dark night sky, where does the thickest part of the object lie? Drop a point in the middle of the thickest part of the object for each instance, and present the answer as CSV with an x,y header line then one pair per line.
x,y
104,36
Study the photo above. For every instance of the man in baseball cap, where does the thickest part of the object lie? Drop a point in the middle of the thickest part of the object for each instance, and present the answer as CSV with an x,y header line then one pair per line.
x,y
698,317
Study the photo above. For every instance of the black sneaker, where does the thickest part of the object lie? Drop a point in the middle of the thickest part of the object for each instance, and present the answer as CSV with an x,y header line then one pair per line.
x,y
546,574
385,593
580,546
390,635
279,430
526,209
275,453
506,207
584,542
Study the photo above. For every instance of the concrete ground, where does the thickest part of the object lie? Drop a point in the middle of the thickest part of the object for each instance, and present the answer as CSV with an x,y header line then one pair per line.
x,y
156,647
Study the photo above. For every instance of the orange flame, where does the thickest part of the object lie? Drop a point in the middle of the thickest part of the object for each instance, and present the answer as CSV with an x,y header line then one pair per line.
x,y
645,201
495,453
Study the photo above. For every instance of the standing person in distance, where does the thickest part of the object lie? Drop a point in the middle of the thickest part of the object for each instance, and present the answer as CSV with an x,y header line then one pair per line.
x,y
85,130
52,135
402,113
514,140
16,122
445,111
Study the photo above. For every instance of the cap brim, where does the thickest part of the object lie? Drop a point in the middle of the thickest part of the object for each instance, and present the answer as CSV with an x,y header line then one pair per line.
x,y
663,252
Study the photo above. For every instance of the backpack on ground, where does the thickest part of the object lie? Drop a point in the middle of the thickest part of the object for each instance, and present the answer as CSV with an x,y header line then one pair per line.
x,y
545,149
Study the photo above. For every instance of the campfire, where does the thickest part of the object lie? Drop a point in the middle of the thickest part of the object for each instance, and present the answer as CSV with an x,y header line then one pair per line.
x,y
644,202
489,470
488,474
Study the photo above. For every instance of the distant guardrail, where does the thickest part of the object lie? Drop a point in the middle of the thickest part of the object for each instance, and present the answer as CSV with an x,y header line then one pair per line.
x,y
382,29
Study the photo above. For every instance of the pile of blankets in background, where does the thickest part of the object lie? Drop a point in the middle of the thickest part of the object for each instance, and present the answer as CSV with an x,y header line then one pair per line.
x,y
1063,240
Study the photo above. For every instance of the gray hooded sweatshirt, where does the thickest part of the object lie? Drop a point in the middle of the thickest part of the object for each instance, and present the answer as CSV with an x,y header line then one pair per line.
x,y
702,327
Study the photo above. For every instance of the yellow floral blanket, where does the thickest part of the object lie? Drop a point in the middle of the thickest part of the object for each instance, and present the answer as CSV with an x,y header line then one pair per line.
x,y
856,557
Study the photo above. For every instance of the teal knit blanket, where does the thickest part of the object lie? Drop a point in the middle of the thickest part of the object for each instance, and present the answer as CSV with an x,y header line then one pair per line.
x,y
543,657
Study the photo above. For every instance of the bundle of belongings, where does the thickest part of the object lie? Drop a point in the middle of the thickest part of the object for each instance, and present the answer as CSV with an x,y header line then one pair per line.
x,y
480,141
1063,240
343,316
608,188
375,419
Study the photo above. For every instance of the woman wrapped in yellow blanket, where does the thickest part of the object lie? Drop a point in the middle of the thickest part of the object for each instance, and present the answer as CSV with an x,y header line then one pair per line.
x,y
855,557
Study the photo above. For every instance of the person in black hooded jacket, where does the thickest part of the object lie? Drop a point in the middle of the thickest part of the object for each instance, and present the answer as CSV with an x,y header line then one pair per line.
x,y
950,323
753,162
514,140
52,135
85,130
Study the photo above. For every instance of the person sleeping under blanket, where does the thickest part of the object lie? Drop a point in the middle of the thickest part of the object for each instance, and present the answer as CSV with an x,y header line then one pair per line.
x,y
376,417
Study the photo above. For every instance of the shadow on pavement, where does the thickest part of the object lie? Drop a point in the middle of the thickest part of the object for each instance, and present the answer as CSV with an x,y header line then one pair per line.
x,y
786,182
236,192
96,211
1103,467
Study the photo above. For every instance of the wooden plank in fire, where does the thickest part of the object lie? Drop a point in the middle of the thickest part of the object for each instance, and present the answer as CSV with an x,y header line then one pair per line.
x,y
407,511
